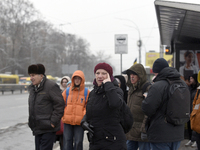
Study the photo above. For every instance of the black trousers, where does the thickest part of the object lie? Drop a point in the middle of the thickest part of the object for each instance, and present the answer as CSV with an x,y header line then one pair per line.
x,y
198,140
45,141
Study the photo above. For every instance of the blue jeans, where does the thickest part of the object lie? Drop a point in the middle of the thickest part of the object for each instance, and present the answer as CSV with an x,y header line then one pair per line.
x,y
134,145
165,146
73,137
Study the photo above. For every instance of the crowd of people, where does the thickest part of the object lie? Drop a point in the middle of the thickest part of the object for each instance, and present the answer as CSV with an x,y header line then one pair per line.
x,y
62,113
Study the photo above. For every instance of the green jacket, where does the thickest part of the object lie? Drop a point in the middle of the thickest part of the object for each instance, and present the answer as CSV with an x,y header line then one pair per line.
x,y
134,102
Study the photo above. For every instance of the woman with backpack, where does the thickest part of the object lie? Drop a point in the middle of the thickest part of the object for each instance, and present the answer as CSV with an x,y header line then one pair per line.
x,y
102,118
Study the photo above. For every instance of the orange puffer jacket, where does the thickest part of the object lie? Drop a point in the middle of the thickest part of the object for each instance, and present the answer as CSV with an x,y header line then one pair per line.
x,y
76,103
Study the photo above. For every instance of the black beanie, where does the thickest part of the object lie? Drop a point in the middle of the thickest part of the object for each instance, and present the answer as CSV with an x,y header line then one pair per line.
x,y
159,64
36,69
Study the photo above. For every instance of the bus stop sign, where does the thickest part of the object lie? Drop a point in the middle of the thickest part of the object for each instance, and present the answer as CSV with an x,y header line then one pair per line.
x,y
121,42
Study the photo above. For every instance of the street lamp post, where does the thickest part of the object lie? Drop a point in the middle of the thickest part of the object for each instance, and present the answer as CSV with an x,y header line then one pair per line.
x,y
139,44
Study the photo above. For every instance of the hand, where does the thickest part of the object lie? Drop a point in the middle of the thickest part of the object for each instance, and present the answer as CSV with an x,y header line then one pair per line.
x,y
87,126
145,94
52,125
107,79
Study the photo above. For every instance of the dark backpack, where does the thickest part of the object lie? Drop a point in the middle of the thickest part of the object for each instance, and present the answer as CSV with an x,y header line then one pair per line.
x,y
126,118
178,103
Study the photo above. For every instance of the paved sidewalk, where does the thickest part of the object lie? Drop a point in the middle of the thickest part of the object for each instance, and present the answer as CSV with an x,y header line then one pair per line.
x,y
182,147
86,145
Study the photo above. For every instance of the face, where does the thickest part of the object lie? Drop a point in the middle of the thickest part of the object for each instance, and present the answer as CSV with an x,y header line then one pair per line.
x,y
134,78
64,82
100,75
189,58
36,78
155,74
192,81
118,81
77,80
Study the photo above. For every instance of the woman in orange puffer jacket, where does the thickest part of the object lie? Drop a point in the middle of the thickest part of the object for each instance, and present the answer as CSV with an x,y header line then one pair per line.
x,y
75,109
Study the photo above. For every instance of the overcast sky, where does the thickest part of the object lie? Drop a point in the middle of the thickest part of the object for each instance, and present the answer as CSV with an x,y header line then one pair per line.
x,y
97,21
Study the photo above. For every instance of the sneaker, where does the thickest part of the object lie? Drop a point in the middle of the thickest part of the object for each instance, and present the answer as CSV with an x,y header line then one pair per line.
x,y
194,145
189,143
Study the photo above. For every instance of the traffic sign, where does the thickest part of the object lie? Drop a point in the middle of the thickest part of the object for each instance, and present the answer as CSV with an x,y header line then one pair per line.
x,y
121,42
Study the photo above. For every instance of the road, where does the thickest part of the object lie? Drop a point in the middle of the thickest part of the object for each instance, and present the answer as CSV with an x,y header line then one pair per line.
x,y
14,131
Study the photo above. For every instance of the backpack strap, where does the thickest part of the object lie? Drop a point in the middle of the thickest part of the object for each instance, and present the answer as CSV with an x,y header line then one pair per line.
x,y
67,94
85,93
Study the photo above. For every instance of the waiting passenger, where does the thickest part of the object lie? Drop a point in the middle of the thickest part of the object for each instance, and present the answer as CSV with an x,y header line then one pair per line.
x,y
102,117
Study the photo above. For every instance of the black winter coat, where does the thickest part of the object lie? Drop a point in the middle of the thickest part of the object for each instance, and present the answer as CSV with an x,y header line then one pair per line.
x,y
102,111
154,106
46,106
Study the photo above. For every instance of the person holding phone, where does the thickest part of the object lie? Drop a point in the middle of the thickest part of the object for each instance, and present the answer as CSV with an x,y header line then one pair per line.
x,y
188,69
102,118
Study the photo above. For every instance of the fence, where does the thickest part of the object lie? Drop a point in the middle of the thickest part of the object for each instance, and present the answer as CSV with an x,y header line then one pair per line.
x,y
17,87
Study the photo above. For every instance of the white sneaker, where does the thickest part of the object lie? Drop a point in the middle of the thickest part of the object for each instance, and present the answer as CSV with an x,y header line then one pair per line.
x,y
189,143
194,145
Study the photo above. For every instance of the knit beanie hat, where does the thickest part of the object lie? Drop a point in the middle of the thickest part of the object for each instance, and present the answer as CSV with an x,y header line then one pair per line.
x,y
36,69
159,64
106,67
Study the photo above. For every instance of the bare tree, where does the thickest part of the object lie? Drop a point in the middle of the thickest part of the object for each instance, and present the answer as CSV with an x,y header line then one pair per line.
x,y
14,17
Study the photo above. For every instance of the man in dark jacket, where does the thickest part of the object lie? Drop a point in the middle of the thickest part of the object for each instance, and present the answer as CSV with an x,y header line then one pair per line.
x,y
161,135
46,107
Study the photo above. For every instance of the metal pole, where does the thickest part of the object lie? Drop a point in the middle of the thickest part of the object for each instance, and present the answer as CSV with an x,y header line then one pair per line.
x,y
139,54
139,43
121,62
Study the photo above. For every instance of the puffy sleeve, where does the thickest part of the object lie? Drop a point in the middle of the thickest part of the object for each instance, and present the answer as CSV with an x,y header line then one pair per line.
x,y
114,94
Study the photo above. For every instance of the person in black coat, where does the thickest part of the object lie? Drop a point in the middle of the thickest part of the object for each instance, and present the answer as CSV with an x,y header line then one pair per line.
x,y
102,117
122,85
46,107
193,88
161,134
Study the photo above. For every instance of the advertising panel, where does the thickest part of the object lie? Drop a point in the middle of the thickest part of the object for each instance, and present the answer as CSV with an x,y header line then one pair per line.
x,y
189,63
152,56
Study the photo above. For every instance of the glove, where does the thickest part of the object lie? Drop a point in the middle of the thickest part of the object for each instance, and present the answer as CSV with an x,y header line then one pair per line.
x,y
144,136
89,136
87,126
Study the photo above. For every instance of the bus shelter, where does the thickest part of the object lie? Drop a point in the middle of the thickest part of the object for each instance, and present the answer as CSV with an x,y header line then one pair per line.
x,y
179,27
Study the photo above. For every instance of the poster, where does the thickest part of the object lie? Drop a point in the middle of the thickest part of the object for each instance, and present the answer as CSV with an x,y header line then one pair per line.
x,y
152,56
189,63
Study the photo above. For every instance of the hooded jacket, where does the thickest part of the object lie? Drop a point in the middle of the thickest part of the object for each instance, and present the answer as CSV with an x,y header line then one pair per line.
x,y
123,86
65,77
46,106
75,104
154,106
134,101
